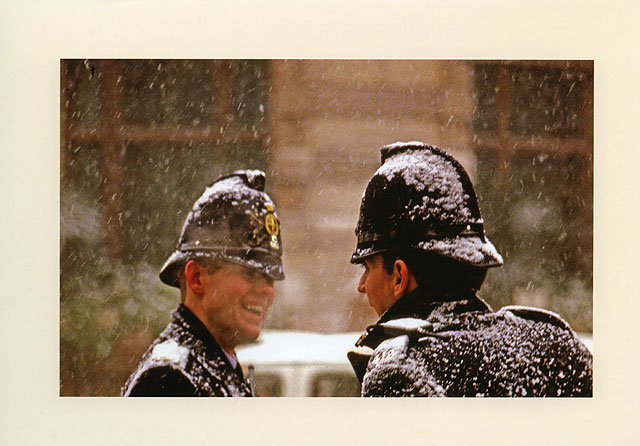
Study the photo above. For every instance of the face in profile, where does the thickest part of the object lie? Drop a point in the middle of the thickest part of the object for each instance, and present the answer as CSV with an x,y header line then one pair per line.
x,y
377,283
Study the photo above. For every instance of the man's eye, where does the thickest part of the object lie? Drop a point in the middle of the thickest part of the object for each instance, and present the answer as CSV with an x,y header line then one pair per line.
x,y
255,276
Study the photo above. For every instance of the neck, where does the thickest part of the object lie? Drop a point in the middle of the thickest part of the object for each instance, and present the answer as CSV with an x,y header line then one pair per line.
x,y
229,350
225,342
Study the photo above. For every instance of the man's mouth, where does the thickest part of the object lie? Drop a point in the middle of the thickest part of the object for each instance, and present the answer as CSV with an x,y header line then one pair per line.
x,y
254,309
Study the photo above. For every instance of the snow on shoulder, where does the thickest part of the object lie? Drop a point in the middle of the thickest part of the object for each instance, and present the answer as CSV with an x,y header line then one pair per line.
x,y
170,351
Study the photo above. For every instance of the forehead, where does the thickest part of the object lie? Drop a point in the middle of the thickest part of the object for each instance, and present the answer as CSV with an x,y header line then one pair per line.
x,y
373,261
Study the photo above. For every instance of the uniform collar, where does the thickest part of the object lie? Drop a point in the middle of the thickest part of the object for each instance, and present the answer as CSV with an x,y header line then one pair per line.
x,y
412,304
416,304
419,304
185,316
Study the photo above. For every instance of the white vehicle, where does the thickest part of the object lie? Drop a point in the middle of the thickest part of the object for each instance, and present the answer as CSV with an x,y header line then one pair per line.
x,y
587,338
298,363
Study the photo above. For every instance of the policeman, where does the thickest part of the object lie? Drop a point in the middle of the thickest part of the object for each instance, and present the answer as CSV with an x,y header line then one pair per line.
x,y
420,238
225,263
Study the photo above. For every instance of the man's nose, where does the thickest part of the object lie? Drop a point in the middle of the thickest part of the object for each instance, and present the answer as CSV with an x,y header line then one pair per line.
x,y
265,287
361,287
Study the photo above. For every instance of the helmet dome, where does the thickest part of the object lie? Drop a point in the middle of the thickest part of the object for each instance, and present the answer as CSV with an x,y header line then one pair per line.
x,y
422,198
235,221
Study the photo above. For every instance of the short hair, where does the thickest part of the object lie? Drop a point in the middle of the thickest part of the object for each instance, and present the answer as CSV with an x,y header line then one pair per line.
x,y
211,264
439,274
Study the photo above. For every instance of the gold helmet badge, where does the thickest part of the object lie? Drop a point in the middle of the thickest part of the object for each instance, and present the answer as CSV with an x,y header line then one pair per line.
x,y
272,226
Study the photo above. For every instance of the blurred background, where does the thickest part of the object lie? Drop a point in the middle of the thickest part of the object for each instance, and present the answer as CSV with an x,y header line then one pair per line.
x,y
140,140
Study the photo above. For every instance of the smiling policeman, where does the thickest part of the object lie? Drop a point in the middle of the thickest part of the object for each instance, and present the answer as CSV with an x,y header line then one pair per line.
x,y
225,263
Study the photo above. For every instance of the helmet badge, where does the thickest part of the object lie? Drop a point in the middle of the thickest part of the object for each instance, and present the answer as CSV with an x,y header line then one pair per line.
x,y
272,226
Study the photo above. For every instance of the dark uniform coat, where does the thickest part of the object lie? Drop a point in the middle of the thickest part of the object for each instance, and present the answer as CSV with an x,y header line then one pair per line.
x,y
424,347
185,360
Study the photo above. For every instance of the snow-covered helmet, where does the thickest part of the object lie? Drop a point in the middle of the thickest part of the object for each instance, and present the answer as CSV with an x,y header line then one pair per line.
x,y
422,198
235,221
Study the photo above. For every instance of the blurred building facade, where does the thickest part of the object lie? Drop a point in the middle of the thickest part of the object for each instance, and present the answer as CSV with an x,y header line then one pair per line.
x,y
141,138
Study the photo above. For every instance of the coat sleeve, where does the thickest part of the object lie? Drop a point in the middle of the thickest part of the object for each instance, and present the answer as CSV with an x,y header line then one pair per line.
x,y
163,381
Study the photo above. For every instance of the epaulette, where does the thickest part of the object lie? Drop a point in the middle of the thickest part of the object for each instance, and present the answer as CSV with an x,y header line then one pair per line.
x,y
535,314
412,327
390,351
377,334
170,352
381,342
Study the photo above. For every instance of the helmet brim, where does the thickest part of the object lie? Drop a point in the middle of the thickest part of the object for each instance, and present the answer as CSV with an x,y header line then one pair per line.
x,y
268,264
471,250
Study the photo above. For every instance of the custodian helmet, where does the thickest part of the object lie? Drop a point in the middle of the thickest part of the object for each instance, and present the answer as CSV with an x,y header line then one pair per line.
x,y
235,221
422,198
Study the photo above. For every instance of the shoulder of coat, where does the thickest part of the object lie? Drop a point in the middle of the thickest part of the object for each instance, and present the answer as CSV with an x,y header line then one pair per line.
x,y
419,330
534,314
390,351
169,352
406,326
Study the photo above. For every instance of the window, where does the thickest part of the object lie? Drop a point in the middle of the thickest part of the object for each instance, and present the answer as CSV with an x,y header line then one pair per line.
x,y
520,100
533,124
268,384
148,135
539,211
335,384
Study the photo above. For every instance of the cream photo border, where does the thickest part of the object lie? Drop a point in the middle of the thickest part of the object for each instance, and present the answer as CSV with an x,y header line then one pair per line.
x,y
36,35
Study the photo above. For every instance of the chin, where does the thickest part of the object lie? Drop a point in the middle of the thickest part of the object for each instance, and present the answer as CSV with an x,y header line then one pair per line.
x,y
249,335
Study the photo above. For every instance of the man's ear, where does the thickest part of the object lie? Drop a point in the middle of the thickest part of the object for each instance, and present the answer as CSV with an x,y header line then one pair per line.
x,y
403,280
193,276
